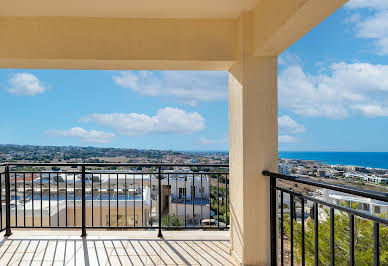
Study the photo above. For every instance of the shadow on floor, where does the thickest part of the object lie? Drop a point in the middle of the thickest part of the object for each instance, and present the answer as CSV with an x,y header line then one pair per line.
x,y
94,251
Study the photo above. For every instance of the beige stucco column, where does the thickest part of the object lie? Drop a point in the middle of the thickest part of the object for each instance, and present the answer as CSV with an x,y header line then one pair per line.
x,y
253,147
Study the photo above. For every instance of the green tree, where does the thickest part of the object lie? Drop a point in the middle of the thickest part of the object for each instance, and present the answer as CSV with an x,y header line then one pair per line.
x,y
172,220
226,218
28,169
364,240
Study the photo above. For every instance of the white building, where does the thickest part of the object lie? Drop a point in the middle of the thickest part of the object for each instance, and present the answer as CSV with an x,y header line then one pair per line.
x,y
367,178
189,197
182,186
283,169
371,206
300,170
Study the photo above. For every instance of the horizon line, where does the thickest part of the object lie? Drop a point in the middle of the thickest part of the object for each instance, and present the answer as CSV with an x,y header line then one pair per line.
x,y
185,150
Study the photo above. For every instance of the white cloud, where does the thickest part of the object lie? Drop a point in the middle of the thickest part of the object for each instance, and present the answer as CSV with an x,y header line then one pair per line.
x,y
344,89
189,87
287,58
371,110
374,26
25,84
371,4
206,141
92,136
289,125
287,139
167,120
354,18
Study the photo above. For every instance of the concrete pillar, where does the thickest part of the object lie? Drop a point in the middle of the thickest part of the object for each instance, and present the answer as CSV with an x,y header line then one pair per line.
x,y
253,147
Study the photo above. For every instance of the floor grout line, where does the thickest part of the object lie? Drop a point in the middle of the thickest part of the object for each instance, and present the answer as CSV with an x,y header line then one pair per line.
x,y
103,248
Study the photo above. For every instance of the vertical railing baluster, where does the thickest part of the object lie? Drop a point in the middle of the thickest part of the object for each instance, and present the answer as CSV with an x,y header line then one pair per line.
x,y
100,201
185,195
126,197
332,243
1,200
109,200
316,220
281,228
92,199
218,201
24,199
176,194
226,213
351,240
272,194
134,206
150,180
376,243
160,201
192,196
83,234
200,221
32,199
66,198
57,200
142,199
41,198
303,244
16,201
7,202
74,196
169,193
292,228
49,199
210,198
117,200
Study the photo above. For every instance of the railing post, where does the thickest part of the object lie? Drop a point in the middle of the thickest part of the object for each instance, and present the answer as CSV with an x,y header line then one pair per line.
x,y
7,202
273,220
160,201
83,203
376,243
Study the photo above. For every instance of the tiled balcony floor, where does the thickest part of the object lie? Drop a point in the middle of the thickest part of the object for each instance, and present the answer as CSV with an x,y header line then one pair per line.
x,y
115,248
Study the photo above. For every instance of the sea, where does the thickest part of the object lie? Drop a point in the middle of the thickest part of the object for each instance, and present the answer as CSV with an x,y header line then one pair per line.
x,y
364,159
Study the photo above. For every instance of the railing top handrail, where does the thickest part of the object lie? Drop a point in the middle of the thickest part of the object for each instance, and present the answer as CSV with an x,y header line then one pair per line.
x,y
117,164
382,196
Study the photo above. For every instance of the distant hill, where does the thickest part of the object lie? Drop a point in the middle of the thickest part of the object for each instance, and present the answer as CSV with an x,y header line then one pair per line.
x,y
66,153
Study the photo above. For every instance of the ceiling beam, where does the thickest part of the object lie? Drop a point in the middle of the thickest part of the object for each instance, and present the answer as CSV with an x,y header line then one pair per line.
x,y
277,24
83,43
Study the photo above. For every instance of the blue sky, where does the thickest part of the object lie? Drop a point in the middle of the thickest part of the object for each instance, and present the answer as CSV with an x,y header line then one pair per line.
x,y
333,96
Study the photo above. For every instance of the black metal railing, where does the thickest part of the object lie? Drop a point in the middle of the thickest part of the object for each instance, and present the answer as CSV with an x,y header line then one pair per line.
x,y
325,220
114,196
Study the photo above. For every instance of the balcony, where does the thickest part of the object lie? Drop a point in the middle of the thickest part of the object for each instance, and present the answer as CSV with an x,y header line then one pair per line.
x,y
175,214
151,214
241,37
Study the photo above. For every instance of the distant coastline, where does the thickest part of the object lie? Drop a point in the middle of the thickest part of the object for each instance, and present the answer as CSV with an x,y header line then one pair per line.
x,y
364,159
18,152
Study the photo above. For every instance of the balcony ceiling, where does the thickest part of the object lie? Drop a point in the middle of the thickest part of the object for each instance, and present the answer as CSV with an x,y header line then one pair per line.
x,y
128,8
151,34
